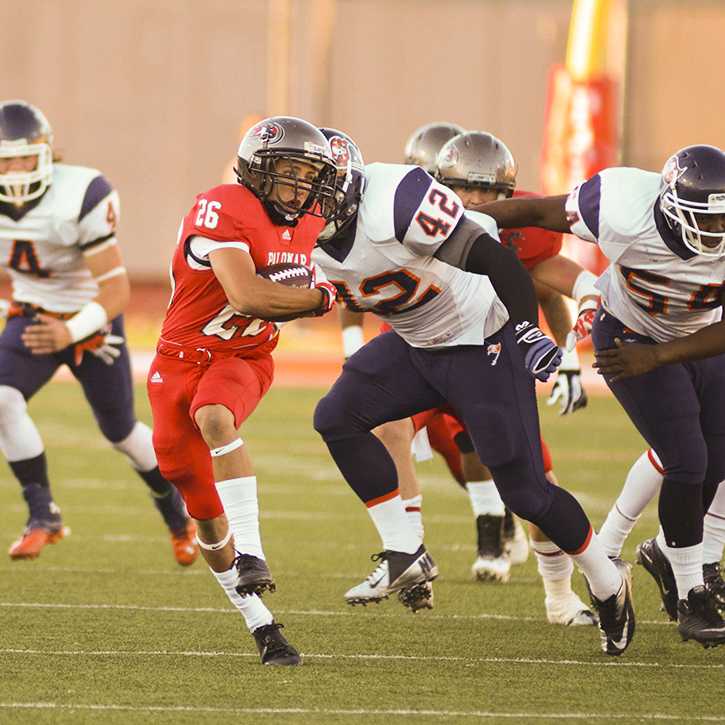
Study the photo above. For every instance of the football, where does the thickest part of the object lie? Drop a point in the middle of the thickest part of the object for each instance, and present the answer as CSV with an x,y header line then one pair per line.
x,y
291,275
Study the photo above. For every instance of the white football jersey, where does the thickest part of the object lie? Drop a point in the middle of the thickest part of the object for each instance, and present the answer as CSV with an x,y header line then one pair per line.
x,y
42,251
388,267
654,284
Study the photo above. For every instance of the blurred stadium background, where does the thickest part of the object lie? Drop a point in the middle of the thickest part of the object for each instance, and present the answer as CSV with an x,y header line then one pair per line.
x,y
155,93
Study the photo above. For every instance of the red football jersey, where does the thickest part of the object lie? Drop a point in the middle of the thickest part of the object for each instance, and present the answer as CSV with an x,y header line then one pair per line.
x,y
531,244
230,216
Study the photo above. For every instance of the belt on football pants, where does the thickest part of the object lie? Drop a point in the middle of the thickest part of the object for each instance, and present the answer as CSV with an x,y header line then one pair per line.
x,y
196,355
25,309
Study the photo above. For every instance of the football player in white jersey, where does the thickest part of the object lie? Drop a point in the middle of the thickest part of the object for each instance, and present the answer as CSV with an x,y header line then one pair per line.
x,y
664,235
69,286
461,307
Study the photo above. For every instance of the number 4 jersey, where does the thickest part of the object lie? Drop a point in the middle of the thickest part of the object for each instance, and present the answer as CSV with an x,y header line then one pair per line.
x,y
387,267
654,285
227,217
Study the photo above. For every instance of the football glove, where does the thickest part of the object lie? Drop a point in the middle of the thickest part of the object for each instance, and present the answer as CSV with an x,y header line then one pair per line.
x,y
541,354
568,390
329,291
584,322
103,345
4,308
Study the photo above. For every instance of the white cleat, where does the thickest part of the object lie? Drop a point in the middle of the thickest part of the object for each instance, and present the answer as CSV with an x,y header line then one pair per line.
x,y
492,568
407,574
569,611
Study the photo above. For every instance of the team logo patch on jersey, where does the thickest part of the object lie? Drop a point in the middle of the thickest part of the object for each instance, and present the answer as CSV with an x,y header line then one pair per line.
x,y
269,132
494,350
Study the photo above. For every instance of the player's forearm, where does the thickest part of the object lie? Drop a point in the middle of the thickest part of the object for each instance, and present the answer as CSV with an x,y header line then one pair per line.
x,y
114,295
708,342
557,316
547,212
267,300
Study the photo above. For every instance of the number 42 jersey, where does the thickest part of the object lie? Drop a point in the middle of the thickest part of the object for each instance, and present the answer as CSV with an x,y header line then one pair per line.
x,y
386,264
654,284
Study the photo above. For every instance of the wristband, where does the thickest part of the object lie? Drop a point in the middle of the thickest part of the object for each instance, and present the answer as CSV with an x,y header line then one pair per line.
x,y
89,319
584,286
352,339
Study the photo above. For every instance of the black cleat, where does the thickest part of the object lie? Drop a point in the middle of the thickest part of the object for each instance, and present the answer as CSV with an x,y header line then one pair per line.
x,y
273,648
616,614
698,618
715,585
650,556
254,576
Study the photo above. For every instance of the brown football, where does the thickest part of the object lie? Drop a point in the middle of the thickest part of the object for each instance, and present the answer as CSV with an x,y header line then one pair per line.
x,y
291,275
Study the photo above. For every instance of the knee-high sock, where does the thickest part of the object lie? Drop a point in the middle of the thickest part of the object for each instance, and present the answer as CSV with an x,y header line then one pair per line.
x,y
239,499
251,607
713,540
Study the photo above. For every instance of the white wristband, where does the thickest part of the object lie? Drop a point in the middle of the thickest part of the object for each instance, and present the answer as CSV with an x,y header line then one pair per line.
x,y
352,339
89,319
584,286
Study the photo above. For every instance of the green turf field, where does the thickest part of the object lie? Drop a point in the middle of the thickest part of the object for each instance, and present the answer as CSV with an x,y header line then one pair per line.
x,y
105,628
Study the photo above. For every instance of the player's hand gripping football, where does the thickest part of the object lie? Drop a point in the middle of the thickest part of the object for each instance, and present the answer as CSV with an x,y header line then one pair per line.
x,y
46,335
329,291
542,355
568,390
584,321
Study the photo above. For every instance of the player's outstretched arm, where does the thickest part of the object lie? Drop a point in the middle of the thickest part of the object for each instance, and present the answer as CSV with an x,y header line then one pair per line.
x,y
257,297
548,212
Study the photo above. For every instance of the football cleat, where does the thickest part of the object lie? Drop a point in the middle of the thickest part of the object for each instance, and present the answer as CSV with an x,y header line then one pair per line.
x,y
417,597
714,584
34,538
253,575
569,611
616,614
650,556
515,539
186,550
274,649
492,563
397,572
699,619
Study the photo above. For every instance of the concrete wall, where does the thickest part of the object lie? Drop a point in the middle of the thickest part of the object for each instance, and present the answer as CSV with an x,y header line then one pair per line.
x,y
152,91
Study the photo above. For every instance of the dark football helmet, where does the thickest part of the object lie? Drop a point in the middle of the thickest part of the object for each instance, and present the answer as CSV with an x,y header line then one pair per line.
x,y
24,133
425,142
693,198
477,160
286,137
350,181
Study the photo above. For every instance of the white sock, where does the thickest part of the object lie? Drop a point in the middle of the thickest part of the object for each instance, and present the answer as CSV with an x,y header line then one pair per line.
x,y
251,607
138,447
640,487
239,499
555,568
713,540
413,509
19,438
485,498
603,577
686,564
393,525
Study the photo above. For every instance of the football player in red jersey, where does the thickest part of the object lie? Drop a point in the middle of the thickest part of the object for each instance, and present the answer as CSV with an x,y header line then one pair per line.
x,y
213,362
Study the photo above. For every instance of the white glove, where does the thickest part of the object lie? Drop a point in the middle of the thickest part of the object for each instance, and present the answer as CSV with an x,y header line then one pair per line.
x,y
109,351
4,308
568,390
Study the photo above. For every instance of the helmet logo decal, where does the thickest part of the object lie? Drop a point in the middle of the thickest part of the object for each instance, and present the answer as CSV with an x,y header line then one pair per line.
x,y
340,150
673,171
268,132
450,157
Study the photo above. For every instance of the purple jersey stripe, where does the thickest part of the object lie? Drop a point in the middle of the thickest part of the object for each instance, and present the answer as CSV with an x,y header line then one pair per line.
x,y
589,195
97,190
408,197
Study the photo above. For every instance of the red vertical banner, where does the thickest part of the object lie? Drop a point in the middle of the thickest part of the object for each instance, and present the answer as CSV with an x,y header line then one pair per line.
x,y
580,139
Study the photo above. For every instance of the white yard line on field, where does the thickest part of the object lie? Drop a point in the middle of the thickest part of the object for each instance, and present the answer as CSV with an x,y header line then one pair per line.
x,y
298,612
480,714
364,656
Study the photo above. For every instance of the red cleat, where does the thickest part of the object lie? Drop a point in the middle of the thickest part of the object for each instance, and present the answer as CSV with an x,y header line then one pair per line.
x,y
186,550
31,543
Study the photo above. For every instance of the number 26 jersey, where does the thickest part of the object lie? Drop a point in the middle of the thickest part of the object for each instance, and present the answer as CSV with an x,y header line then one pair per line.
x,y
387,267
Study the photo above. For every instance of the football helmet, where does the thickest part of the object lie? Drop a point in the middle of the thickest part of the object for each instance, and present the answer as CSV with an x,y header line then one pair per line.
x,y
24,132
477,160
693,192
425,142
286,137
350,181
